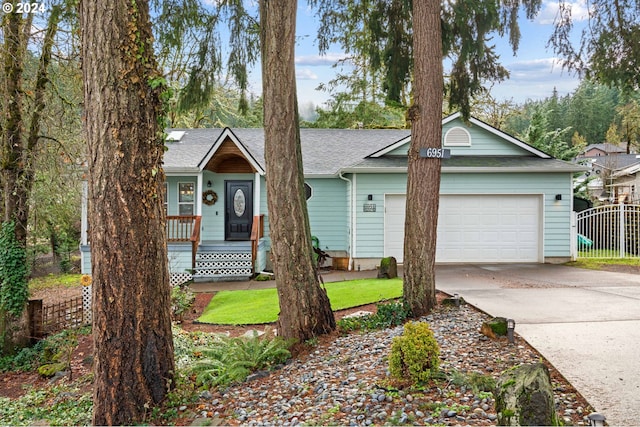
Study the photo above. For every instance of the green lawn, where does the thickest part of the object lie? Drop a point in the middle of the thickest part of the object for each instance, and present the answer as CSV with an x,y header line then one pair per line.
x,y
598,263
55,281
261,306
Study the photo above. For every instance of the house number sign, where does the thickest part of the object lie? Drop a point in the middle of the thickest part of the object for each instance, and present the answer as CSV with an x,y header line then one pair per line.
x,y
369,207
435,153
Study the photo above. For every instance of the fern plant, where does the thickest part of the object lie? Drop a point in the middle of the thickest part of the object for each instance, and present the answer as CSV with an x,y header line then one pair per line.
x,y
231,360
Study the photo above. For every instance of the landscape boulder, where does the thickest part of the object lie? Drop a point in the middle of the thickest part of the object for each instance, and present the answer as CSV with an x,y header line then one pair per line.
x,y
494,328
388,268
524,397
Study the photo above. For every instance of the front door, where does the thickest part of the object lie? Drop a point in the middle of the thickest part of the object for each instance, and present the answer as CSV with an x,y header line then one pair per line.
x,y
238,210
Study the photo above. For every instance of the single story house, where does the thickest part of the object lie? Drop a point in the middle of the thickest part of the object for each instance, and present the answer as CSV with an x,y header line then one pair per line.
x,y
501,200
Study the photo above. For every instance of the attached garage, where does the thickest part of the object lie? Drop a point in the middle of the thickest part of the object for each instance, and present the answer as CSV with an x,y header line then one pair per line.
x,y
475,228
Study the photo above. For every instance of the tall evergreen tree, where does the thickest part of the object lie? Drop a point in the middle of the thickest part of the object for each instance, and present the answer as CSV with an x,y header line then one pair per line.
x,y
305,311
123,92
20,136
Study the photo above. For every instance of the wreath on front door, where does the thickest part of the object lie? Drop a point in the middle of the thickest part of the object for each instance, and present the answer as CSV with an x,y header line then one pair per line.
x,y
209,197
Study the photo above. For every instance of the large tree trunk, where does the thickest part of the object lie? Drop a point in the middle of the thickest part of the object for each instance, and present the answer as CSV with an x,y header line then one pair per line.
x,y
423,182
305,310
19,149
131,295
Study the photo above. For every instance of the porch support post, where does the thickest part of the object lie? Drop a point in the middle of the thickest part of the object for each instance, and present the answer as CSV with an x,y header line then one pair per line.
x,y
256,194
198,195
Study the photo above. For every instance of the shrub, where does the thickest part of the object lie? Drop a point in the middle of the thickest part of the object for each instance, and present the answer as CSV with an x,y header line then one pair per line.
x,y
182,299
388,314
415,354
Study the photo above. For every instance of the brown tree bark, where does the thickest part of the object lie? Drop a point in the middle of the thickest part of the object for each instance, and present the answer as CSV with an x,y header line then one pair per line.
x,y
305,310
133,356
423,182
19,147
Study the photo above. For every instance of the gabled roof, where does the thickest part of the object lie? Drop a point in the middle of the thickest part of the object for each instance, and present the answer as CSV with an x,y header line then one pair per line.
x,y
325,152
614,161
631,170
328,152
605,147
502,135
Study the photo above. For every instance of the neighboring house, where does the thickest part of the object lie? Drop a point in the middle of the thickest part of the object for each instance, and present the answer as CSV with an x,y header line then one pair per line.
x,y
625,183
502,201
608,176
602,149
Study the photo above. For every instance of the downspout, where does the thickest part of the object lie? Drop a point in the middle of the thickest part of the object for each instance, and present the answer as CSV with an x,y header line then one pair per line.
x,y
352,220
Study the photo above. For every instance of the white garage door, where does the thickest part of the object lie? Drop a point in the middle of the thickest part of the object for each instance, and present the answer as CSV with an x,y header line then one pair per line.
x,y
486,228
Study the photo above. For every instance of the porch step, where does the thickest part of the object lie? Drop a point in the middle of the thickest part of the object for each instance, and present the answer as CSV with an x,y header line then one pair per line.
x,y
218,261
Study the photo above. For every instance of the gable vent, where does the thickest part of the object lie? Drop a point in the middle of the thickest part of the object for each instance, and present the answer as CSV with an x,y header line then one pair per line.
x,y
457,137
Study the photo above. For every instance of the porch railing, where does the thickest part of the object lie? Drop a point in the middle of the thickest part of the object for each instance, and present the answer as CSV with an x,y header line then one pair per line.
x,y
185,228
257,232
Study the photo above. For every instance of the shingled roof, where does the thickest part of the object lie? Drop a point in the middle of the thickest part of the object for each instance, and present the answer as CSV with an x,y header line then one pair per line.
x,y
324,151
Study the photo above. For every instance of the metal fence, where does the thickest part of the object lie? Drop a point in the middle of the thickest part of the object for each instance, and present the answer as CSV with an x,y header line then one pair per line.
x,y
609,231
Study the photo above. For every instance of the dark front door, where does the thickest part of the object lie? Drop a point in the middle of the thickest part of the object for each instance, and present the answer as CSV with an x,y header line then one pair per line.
x,y
238,210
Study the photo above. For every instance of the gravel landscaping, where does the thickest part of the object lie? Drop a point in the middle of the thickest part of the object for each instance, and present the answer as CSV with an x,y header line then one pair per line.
x,y
343,380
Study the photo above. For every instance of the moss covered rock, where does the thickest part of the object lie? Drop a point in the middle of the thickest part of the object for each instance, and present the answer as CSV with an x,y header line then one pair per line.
x,y
524,397
494,328
388,268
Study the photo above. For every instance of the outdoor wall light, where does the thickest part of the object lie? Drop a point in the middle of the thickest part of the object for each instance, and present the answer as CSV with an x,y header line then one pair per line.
x,y
558,196
511,325
370,197
209,184
596,419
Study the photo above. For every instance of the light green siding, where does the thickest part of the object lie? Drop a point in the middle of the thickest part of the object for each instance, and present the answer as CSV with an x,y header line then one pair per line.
x,y
179,257
329,213
483,143
556,214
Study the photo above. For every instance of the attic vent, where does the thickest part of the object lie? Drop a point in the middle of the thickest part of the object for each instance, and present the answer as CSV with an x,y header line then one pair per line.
x,y
175,135
457,137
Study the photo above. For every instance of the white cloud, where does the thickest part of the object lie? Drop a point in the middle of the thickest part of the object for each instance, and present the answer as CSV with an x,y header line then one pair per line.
x,y
549,11
305,74
329,58
535,79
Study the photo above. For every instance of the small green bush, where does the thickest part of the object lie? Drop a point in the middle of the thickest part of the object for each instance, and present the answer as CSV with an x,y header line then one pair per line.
x,y
415,354
388,314
182,299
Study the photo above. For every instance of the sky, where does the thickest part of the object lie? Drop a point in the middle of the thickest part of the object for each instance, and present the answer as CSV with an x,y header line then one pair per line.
x,y
534,71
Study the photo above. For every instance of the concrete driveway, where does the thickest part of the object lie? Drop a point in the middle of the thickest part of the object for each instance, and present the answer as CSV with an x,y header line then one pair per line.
x,y
586,323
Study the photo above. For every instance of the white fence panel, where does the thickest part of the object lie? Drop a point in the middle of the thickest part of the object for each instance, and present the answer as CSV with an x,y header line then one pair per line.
x,y
609,231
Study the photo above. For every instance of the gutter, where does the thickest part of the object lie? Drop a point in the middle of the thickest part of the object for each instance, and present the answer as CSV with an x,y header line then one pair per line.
x,y
352,220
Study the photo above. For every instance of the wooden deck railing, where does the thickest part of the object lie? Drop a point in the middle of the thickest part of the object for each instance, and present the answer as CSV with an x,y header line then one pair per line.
x,y
185,228
180,227
195,240
257,232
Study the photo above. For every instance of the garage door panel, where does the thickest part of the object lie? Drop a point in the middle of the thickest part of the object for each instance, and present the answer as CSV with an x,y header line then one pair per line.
x,y
486,228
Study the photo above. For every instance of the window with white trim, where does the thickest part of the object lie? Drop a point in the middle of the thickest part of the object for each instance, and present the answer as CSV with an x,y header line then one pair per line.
x,y
186,198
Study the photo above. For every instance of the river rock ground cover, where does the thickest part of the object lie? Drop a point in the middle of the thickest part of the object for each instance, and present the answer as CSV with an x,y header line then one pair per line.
x,y
343,380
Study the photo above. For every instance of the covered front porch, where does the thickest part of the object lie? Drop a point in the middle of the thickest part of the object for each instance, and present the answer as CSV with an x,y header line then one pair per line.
x,y
214,196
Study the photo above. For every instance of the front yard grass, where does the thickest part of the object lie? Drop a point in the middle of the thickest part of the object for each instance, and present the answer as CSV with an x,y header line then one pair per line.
x,y
261,306
52,281
598,263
